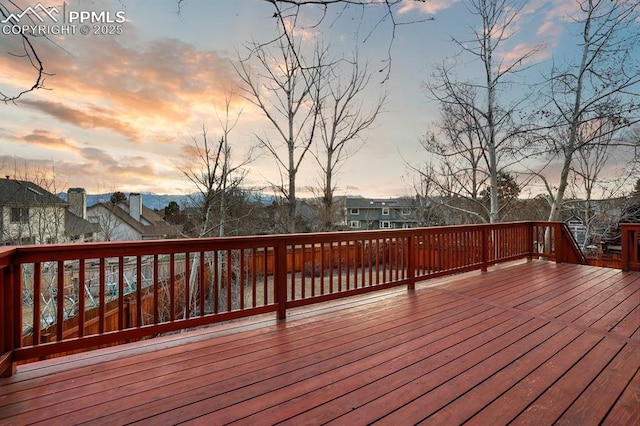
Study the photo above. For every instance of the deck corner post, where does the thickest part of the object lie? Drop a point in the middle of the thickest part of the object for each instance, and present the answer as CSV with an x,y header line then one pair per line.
x,y
559,243
10,314
625,256
280,277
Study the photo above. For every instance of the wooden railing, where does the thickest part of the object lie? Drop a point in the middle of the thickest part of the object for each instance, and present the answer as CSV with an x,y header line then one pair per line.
x,y
630,246
59,299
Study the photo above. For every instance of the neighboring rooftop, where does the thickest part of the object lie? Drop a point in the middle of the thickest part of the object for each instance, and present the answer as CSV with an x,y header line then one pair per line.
x,y
20,192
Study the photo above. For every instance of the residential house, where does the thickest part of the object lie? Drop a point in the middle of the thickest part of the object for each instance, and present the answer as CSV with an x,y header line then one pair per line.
x,y
29,214
77,228
366,213
129,220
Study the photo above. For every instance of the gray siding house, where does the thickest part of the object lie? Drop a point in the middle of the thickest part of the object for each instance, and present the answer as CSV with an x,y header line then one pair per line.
x,y
368,213
29,214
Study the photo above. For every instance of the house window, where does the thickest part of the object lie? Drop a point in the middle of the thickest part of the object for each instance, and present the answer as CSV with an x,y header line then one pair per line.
x,y
385,211
354,224
405,212
354,211
19,214
385,224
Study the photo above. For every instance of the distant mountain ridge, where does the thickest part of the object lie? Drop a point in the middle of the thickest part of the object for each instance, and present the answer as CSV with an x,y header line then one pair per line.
x,y
160,201
149,199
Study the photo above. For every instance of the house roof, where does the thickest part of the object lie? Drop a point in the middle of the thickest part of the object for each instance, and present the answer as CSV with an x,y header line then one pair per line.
x,y
376,203
157,226
25,193
75,225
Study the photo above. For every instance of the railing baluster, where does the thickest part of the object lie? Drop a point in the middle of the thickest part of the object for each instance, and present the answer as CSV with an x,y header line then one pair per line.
x,y
254,274
172,286
121,312
202,290
81,296
138,291
102,294
217,281
241,278
339,266
331,268
303,269
187,285
156,290
60,300
322,268
265,278
229,280
37,309
313,270
291,273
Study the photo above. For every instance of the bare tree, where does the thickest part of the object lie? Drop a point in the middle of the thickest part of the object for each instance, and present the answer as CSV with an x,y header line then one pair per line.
x,y
284,88
599,88
226,180
343,120
488,121
459,165
389,18
209,167
217,177
23,47
591,186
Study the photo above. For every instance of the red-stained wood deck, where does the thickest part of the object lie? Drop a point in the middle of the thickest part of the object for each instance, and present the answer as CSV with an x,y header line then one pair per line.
x,y
534,343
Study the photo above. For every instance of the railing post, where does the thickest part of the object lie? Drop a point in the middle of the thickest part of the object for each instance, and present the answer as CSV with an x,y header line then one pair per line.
x,y
626,252
411,263
8,317
559,243
280,277
484,247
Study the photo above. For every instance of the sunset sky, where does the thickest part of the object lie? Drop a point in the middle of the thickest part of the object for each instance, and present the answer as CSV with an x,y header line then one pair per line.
x,y
120,109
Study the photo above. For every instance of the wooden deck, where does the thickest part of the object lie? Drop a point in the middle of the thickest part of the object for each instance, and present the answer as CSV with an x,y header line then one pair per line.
x,y
533,343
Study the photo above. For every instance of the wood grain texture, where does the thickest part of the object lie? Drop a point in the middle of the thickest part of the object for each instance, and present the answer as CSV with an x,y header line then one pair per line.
x,y
527,343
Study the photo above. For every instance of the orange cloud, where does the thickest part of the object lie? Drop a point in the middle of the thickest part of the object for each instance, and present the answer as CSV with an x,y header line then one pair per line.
x,y
96,119
120,83
44,138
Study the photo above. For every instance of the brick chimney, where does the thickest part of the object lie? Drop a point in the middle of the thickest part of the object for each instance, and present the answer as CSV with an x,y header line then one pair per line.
x,y
135,206
77,202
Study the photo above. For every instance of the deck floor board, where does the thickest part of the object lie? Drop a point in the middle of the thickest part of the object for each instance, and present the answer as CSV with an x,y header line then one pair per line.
x,y
533,342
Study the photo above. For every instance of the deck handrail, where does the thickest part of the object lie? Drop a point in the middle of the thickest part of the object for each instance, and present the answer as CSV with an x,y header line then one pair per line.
x,y
58,299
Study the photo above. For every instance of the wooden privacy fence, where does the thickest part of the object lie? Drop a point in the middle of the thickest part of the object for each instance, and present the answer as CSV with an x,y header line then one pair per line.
x,y
57,299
